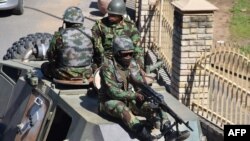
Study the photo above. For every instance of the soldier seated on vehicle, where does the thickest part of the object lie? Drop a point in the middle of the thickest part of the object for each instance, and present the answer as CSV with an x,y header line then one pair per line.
x,y
120,98
71,49
115,24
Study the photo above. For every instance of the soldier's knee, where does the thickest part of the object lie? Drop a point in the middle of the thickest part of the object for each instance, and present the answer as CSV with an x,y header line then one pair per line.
x,y
122,108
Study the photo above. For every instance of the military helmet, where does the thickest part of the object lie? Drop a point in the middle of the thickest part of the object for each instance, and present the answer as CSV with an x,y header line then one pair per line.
x,y
73,15
117,7
122,43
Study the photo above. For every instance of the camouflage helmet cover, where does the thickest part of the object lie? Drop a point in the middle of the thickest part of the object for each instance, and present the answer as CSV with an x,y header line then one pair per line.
x,y
122,43
73,15
117,7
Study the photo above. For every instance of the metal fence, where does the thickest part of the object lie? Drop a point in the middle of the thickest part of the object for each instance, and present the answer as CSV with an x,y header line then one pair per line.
x,y
226,97
223,72
163,31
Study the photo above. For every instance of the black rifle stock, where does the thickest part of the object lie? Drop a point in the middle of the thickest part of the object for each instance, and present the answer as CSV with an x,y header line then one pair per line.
x,y
158,99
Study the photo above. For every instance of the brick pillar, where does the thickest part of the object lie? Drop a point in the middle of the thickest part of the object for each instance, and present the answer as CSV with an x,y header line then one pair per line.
x,y
193,33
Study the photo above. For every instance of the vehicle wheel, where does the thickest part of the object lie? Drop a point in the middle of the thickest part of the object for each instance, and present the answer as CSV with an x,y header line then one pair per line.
x,y
24,44
19,9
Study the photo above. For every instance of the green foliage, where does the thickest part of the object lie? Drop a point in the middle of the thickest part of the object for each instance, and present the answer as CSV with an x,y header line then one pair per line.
x,y
245,49
240,22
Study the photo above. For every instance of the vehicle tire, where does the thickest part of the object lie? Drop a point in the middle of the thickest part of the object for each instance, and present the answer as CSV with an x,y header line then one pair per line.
x,y
24,44
19,9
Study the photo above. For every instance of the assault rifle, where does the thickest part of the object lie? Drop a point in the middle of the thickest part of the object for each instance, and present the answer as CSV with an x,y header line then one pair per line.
x,y
157,100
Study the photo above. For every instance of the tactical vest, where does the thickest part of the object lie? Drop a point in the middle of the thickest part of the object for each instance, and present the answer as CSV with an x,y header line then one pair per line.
x,y
77,48
122,78
109,31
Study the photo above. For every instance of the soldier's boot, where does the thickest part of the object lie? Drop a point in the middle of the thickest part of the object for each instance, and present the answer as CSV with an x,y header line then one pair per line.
x,y
142,133
172,135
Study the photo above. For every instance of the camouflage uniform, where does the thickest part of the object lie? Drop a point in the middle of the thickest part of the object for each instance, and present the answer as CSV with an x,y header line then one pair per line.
x,y
121,98
103,33
118,99
71,50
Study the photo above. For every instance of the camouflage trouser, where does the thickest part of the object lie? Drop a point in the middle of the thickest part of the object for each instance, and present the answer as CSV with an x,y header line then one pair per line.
x,y
51,70
128,113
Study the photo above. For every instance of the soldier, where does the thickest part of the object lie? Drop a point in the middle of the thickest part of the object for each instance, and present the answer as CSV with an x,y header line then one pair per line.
x,y
71,49
119,97
114,24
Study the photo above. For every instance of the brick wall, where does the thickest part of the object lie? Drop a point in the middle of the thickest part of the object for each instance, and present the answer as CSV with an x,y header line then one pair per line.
x,y
193,34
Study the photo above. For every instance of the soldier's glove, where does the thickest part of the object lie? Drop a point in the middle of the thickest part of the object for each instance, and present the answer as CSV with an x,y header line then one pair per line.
x,y
139,97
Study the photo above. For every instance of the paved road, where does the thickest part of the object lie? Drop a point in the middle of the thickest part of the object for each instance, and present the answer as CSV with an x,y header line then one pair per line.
x,y
40,16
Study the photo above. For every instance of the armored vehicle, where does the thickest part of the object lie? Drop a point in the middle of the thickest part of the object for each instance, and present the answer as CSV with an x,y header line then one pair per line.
x,y
33,108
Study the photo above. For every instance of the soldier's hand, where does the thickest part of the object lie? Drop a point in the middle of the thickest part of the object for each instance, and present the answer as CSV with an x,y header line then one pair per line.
x,y
139,97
